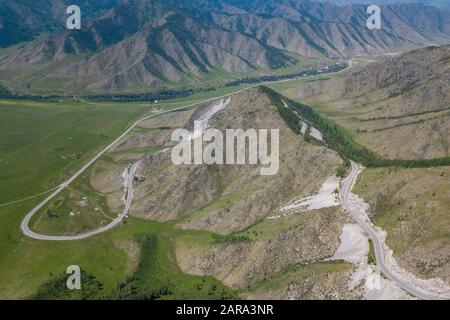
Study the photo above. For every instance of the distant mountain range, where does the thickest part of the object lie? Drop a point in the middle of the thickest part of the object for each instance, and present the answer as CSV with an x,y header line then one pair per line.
x,y
21,20
137,45
444,4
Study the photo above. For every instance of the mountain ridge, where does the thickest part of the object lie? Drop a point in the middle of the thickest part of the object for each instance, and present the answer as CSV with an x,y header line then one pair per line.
x,y
137,45
398,107
443,4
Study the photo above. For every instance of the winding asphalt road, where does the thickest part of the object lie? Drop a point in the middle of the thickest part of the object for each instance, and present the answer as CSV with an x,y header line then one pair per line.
x,y
377,242
26,230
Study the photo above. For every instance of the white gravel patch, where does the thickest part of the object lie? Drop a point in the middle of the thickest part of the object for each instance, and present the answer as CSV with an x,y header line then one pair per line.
x,y
378,288
303,128
124,176
316,134
201,124
323,199
354,246
221,104
359,275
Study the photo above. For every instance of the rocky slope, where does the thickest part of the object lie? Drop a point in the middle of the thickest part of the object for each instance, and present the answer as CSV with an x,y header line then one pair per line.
x,y
214,197
412,206
398,107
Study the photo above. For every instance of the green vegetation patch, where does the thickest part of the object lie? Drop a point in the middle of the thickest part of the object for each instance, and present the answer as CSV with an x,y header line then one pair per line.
x,y
56,289
157,277
42,144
